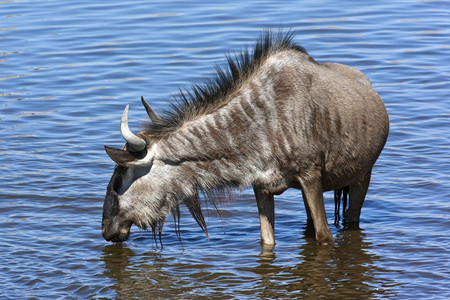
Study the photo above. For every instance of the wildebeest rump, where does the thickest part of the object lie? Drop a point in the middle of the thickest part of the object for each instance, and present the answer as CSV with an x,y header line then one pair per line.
x,y
274,119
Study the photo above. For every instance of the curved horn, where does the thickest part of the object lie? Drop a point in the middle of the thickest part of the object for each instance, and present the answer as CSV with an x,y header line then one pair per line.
x,y
134,141
150,112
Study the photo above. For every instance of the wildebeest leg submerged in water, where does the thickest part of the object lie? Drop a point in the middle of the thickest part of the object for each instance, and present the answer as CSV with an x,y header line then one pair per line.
x,y
275,119
343,192
357,193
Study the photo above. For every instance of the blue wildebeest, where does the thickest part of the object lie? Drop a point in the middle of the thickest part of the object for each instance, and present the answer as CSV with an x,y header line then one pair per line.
x,y
274,119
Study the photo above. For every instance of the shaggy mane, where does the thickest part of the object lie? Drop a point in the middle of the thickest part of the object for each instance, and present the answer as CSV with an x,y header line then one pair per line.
x,y
211,95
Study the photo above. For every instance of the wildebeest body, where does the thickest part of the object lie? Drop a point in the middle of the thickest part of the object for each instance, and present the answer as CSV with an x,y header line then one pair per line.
x,y
274,121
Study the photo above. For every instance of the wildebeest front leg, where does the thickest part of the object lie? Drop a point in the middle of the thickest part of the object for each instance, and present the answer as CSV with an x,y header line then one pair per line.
x,y
357,193
312,191
266,216
308,211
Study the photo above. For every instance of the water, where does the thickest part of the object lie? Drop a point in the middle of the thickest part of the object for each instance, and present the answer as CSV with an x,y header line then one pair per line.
x,y
68,68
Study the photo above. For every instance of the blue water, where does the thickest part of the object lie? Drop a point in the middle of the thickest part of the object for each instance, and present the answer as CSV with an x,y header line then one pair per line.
x,y
68,68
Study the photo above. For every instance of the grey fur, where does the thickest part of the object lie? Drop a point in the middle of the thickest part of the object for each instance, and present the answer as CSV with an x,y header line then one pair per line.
x,y
274,120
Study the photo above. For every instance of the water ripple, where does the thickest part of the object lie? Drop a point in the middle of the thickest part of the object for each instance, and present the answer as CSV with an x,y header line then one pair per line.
x,y
66,72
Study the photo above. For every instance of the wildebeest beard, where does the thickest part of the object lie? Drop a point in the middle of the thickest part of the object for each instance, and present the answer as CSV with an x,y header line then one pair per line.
x,y
215,197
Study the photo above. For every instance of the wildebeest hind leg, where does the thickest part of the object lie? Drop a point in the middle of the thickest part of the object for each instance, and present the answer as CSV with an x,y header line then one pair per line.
x,y
313,193
357,193
266,216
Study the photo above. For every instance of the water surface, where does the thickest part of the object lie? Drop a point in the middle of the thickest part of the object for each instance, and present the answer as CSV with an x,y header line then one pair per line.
x,y
67,69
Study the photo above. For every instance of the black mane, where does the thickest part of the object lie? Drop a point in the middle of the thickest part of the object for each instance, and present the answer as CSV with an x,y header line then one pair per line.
x,y
206,97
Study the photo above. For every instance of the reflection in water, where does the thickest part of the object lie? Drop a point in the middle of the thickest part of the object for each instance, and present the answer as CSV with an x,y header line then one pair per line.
x,y
155,276
346,269
117,259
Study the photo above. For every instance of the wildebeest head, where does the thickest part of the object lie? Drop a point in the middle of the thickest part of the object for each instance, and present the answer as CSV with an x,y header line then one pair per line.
x,y
131,196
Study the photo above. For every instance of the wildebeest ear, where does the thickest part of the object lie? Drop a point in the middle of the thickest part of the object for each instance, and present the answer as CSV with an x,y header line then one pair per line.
x,y
120,157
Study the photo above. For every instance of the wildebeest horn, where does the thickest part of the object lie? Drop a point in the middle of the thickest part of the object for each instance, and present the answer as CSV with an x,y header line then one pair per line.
x,y
150,112
134,141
